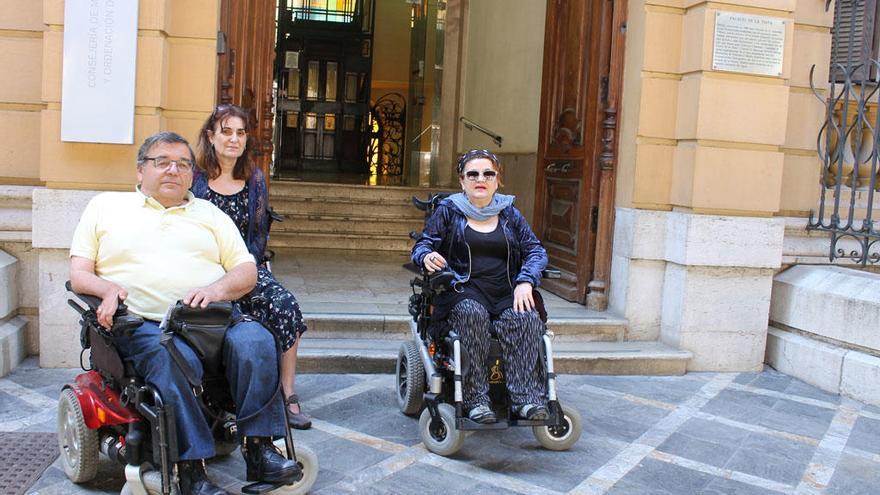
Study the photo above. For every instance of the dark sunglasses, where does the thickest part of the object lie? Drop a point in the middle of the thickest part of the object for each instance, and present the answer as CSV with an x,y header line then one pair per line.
x,y
473,175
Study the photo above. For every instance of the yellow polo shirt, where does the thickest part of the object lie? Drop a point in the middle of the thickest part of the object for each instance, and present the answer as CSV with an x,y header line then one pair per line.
x,y
157,254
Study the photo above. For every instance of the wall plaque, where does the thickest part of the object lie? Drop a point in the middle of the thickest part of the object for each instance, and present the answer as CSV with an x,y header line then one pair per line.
x,y
98,75
753,44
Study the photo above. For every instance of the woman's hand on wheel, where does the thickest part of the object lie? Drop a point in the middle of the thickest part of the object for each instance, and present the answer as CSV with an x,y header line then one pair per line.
x,y
522,297
434,261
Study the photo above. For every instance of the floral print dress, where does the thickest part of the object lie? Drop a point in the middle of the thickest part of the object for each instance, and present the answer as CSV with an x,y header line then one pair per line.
x,y
279,311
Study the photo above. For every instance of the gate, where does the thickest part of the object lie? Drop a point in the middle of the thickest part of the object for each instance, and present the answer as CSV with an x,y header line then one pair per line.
x,y
849,140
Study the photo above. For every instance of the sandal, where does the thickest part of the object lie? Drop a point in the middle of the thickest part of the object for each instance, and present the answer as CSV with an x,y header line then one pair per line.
x,y
532,412
482,414
300,420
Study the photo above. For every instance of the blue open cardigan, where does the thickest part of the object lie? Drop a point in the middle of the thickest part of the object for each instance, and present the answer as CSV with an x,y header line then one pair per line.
x,y
258,210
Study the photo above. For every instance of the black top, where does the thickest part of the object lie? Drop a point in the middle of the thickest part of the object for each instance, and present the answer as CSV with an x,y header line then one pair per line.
x,y
488,284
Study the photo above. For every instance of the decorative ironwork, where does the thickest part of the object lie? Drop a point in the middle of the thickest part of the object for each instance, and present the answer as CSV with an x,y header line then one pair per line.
x,y
848,145
387,136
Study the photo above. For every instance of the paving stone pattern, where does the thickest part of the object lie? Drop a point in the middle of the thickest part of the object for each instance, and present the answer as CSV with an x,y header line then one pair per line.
x,y
702,433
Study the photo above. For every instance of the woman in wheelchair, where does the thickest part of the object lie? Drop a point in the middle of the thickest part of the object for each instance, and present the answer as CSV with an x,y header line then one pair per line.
x,y
227,177
496,262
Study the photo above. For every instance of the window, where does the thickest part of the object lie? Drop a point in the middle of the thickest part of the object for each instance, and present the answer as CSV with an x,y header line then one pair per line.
x,y
855,40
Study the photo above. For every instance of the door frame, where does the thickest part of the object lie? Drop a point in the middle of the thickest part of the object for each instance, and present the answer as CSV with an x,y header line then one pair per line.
x,y
603,88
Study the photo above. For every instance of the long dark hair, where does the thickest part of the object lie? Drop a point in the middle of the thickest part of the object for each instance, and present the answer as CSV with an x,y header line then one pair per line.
x,y
206,157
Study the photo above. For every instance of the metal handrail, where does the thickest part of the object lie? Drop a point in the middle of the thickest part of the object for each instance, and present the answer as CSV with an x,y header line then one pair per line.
x,y
471,125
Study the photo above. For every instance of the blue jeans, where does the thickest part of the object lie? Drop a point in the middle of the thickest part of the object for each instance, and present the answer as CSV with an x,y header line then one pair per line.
x,y
251,367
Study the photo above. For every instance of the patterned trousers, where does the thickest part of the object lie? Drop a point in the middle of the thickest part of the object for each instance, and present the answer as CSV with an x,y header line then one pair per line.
x,y
520,335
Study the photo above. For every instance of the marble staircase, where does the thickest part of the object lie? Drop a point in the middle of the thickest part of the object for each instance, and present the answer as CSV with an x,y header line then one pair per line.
x,y
355,305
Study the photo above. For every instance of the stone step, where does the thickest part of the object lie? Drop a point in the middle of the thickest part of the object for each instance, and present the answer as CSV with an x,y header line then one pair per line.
x,y
296,189
347,224
317,355
379,208
392,322
13,343
322,240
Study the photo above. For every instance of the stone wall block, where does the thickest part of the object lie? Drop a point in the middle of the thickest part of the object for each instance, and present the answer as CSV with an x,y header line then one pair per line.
x,y
712,240
8,284
59,331
814,362
861,377
834,302
724,351
56,214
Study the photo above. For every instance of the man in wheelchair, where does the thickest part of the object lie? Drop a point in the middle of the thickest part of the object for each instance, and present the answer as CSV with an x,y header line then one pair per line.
x,y
153,247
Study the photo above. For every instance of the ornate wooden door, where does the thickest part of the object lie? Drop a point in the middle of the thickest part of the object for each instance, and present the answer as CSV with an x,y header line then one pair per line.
x,y
246,54
574,180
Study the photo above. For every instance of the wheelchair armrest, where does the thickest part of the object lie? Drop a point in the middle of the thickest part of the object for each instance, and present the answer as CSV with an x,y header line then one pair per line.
x,y
123,322
551,273
440,280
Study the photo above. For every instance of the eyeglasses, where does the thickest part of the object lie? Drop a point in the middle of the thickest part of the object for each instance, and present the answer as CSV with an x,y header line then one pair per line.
x,y
229,131
184,165
473,175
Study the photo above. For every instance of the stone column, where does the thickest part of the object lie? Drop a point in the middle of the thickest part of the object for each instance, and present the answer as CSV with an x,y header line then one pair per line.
x,y
696,237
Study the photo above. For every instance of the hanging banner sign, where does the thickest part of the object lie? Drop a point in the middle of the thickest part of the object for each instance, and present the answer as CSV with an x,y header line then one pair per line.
x,y
752,44
98,78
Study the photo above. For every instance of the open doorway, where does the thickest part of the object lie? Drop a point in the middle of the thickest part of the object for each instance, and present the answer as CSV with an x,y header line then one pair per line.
x,y
355,90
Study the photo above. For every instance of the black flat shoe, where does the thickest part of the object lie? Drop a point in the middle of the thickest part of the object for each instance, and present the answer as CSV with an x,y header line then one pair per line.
x,y
194,480
266,464
300,420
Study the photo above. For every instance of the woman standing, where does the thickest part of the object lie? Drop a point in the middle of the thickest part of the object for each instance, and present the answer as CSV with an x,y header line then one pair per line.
x,y
227,177
496,261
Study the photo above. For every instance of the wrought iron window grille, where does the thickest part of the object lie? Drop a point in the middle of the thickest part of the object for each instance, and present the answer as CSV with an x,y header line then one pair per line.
x,y
848,143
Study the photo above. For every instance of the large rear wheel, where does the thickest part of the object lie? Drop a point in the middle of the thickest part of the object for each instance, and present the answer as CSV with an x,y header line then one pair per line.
x,y
410,379
76,441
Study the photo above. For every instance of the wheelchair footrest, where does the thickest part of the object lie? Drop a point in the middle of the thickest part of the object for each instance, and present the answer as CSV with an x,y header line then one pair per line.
x,y
260,487
501,424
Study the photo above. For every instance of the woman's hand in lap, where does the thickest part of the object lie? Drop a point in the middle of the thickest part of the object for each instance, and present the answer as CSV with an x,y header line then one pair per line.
x,y
522,297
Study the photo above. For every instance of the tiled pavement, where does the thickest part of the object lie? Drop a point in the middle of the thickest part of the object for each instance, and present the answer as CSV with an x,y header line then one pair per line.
x,y
747,433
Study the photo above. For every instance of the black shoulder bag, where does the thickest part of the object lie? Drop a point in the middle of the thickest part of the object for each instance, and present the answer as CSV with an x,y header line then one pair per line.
x,y
204,330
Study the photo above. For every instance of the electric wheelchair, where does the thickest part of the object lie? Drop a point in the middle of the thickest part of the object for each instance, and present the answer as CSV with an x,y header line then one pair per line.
x,y
429,371
109,409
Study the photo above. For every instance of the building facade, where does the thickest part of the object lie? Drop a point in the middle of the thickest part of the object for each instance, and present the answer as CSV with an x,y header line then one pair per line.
x,y
708,175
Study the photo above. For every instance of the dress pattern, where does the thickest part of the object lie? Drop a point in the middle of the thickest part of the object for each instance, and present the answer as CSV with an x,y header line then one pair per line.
x,y
277,309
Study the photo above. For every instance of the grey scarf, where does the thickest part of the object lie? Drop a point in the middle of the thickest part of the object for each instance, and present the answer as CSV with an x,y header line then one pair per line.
x,y
499,202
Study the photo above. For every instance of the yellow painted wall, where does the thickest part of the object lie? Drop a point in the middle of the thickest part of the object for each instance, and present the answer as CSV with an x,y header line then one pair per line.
x,y
21,53
503,55
712,141
391,39
175,84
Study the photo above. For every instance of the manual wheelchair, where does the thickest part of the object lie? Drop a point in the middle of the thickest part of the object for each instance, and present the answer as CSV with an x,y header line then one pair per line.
x,y
429,371
109,409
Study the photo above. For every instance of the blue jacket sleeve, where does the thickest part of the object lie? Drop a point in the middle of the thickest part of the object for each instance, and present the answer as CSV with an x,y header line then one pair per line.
x,y
534,256
432,234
